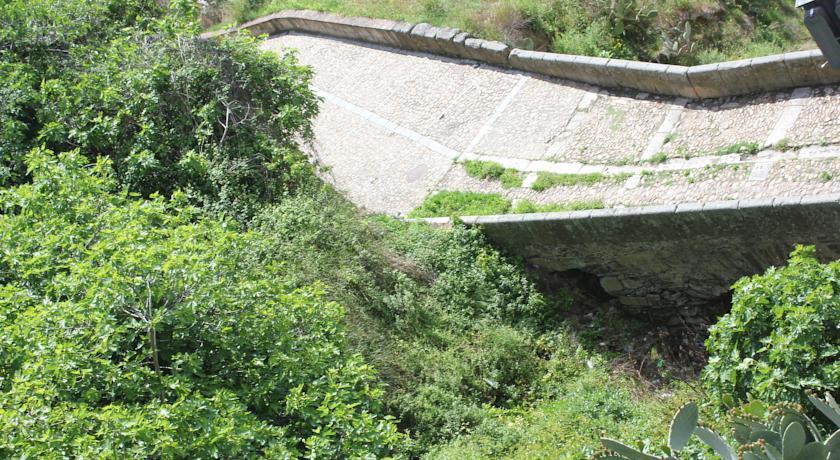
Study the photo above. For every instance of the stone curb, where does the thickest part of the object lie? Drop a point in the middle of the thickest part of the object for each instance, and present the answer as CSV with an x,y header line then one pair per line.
x,y
731,78
660,213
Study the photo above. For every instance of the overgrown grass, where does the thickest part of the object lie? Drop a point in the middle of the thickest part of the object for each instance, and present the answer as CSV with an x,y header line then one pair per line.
x,y
462,340
658,158
446,203
547,180
509,177
588,403
462,204
528,207
748,148
632,29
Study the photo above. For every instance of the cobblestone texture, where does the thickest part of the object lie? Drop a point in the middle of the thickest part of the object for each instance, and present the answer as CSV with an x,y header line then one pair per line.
x,y
476,109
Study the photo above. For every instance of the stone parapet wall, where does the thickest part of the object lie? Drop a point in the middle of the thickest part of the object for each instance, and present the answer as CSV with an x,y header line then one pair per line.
x,y
656,258
732,78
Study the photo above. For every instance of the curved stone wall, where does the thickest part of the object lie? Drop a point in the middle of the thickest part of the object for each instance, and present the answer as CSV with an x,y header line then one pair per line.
x,y
659,257
763,74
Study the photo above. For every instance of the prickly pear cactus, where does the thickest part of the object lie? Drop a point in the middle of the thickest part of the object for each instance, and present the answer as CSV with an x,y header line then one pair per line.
x,y
779,432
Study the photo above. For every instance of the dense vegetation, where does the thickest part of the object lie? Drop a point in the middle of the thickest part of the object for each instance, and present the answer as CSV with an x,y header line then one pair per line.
x,y
669,31
175,281
782,336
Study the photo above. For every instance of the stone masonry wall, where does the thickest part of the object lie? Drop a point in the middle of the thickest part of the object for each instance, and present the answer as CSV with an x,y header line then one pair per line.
x,y
660,257
762,74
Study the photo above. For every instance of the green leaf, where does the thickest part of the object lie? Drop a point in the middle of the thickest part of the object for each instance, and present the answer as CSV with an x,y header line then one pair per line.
x,y
813,451
682,426
769,436
826,409
716,442
629,452
793,440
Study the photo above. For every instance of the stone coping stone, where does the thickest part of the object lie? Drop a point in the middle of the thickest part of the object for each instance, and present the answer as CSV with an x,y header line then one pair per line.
x,y
670,221
731,78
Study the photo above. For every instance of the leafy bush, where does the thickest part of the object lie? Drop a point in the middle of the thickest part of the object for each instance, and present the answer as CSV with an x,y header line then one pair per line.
x,y
218,119
134,328
781,337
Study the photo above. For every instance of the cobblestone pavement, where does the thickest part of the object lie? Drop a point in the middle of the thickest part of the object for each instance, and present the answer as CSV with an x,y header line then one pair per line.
x,y
396,126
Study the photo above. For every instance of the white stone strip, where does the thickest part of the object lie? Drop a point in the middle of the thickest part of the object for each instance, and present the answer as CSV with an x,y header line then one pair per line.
x,y
497,112
667,127
677,164
760,170
388,125
579,117
633,181
529,180
788,116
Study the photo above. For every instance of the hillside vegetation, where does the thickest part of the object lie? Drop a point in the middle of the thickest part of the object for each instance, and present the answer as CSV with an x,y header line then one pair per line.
x,y
177,283
684,32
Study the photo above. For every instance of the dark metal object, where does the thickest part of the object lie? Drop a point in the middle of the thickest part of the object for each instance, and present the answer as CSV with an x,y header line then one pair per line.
x,y
822,18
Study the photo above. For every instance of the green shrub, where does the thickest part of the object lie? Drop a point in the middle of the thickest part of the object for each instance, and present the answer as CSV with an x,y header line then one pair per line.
x,y
447,203
218,119
145,330
435,311
781,337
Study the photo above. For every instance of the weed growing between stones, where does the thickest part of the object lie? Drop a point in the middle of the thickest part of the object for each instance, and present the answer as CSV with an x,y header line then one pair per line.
x,y
744,147
509,177
447,203
658,158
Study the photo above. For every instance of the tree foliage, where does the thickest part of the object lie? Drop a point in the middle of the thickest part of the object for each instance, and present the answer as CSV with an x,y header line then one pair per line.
x,y
217,119
782,336
133,328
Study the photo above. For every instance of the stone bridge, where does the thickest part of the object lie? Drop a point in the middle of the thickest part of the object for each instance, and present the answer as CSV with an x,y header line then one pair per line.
x,y
697,191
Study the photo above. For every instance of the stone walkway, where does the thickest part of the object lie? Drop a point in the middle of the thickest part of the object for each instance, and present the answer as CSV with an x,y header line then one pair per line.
x,y
396,126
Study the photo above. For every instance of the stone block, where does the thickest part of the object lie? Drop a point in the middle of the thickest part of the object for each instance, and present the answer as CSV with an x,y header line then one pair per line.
x,y
495,53
801,67
771,73
419,39
828,75
281,22
594,71
561,66
472,47
402,33
381,32
612,285
738,77
314,22
676,80
434,46
444,37
706,81
639,76
525,60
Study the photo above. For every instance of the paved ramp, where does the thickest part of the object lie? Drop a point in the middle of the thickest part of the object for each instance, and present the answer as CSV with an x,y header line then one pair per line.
x,y
396,125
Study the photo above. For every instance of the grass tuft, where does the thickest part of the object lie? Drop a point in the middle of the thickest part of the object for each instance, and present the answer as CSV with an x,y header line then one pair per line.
x,y
509,177
748,148
528,207
448,203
